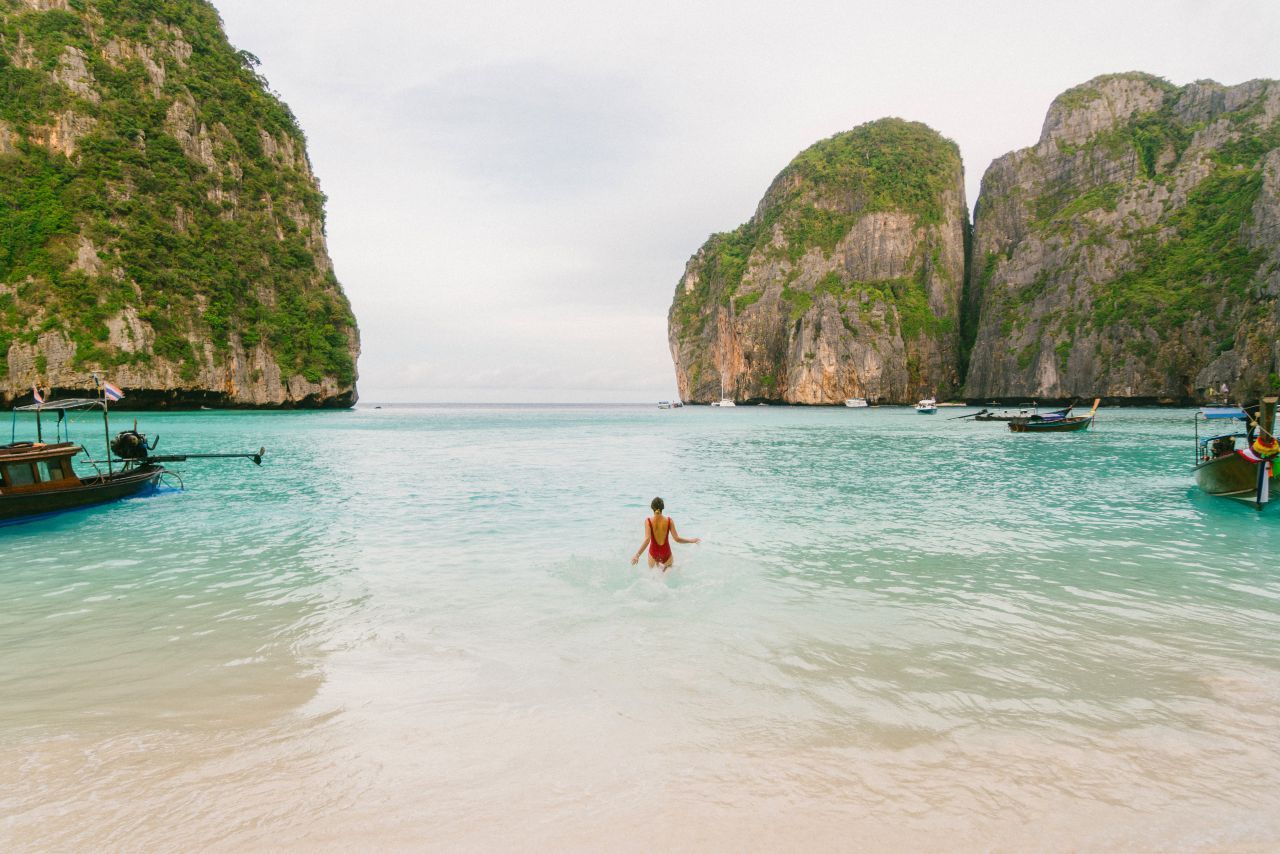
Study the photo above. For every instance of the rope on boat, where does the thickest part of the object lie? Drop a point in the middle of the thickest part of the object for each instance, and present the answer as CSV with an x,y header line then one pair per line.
x,y
1257,425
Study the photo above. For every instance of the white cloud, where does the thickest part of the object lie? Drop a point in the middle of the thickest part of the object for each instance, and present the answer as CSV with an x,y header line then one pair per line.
x,y
532,128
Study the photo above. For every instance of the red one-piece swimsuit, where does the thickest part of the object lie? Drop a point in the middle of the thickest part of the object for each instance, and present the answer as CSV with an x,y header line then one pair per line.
x,y
660,553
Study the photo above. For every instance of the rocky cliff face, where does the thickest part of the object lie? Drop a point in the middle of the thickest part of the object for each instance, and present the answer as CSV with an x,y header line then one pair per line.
x,y
846,282
1134,251
159,220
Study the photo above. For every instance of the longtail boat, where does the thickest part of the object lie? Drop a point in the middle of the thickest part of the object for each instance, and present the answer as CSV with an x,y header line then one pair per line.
x,y
38,478
1065,424
1032,412
1243,473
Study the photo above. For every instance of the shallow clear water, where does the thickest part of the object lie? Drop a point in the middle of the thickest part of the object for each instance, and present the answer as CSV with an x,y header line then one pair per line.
x,y
420,627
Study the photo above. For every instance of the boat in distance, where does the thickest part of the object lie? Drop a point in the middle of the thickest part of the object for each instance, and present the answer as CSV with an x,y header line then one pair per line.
x,y
1244,473
928,406
856,402
1055,424
37,477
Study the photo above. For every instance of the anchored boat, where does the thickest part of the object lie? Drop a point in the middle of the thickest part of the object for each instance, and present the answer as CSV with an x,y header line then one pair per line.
x,y
1243,473
1051,424
928,406
38,477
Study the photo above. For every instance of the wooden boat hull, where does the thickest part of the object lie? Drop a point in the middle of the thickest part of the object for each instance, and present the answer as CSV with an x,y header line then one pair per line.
x,y
90,491
1233,476
1066,425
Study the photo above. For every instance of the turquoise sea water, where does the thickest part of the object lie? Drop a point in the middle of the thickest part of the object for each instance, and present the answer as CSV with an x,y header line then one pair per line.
x,y
419,627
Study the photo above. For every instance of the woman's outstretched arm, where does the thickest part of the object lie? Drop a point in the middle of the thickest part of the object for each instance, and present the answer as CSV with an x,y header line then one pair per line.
x,y
636,557
680,539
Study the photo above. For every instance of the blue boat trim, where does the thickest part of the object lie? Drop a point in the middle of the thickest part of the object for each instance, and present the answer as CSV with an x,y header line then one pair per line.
x,y
1215,413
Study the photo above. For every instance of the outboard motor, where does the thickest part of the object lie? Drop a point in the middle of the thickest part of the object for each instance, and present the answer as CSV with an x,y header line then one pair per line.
x,y
132,445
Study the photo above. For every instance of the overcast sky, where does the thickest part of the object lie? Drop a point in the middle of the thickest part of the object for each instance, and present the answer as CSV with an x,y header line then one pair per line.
x,y
515,187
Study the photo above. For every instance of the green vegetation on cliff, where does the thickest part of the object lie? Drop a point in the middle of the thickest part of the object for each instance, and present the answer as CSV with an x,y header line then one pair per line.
x,y
1185,276
885,165
1197,256
135,129
1131,252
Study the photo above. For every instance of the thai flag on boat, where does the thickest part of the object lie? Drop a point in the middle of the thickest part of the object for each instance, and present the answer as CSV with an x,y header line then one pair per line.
x,y
112,392
35,392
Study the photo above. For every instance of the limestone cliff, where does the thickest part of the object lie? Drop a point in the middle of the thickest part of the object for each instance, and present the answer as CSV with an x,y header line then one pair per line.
x,y
1134,251
846,281
159,219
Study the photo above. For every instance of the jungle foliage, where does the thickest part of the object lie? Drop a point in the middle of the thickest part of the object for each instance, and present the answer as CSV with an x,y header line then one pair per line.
x,y
201,252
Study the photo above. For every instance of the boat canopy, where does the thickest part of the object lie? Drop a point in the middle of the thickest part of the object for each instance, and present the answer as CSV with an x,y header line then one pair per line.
x,y
1216,413
67,403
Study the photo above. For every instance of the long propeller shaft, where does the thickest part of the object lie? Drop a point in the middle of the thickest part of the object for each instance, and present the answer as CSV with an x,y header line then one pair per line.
x,y
182,458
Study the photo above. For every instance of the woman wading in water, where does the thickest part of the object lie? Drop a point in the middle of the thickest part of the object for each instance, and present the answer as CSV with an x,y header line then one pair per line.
x,y
659,531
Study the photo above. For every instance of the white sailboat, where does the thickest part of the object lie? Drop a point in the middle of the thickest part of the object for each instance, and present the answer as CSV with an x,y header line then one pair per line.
x,y
724,401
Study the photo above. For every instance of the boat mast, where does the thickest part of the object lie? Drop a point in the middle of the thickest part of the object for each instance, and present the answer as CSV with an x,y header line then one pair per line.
x,y
106,428
1267,416
1261,425
1195,419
